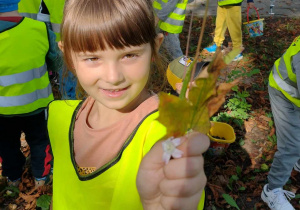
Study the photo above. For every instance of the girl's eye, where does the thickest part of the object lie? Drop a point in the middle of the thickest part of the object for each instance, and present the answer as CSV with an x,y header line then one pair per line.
x,y
130,56
92,59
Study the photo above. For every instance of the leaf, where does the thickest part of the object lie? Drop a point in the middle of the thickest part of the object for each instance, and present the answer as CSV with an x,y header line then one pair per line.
x,y
230,201
180,115
44,201
175,114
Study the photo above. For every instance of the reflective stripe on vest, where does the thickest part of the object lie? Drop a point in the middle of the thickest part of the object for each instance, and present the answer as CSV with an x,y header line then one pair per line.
x,y
23,76
116,187
29,8
55,8
282,76
228,2
24,81
174,22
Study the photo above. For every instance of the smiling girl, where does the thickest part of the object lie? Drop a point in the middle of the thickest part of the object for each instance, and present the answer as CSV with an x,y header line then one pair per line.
x,y
107,148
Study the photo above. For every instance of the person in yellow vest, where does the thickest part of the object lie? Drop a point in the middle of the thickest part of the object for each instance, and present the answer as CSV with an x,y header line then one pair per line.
x,y
51,12
29,8
107,149
26,52
229,15
171,16
284,92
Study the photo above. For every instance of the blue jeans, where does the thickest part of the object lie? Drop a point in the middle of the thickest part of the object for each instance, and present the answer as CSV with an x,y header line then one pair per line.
x,y
67,85
172,44
287,121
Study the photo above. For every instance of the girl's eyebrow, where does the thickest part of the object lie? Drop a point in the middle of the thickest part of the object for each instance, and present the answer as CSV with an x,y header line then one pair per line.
x,y
87,54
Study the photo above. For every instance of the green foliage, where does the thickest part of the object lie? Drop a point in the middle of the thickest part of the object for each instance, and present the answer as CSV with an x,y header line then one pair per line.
x,y
241,142
230,201
264,167
237,73
238,109
11,191
44,202
273,139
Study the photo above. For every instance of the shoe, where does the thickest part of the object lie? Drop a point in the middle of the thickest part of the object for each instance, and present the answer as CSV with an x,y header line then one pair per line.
x,y
211,49
38,182
238,57
297,167
277,198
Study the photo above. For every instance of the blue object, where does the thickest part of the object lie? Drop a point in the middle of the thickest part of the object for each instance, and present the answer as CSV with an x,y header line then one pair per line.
x,y
238,57
211,49
67,85
8,5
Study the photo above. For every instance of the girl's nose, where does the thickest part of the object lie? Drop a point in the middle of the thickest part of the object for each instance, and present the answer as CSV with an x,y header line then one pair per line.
x,y
113,74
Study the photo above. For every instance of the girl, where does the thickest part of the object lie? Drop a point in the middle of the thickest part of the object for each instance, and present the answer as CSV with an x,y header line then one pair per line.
x,y
101,144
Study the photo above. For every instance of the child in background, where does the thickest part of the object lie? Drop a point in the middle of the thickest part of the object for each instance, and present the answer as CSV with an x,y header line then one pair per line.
x,y
26,52
29,8
171,16
229,15
284,92
51,12
107,153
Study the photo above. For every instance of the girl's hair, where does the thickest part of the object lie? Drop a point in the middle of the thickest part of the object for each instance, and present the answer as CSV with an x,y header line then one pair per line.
x,y
92,25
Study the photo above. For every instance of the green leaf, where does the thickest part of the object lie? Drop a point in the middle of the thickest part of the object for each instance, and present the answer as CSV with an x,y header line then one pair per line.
x,y
44,201
242,188
235,177
242,142
230,201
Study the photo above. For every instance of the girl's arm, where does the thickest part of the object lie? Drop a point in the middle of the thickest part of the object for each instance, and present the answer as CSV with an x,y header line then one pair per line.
x,y
178,184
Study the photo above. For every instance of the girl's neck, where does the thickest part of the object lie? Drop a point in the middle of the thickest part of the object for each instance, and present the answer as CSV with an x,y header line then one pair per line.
x,y
10,14
101,116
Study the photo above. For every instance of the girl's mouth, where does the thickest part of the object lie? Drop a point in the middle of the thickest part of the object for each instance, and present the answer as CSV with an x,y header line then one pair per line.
x,y
114,93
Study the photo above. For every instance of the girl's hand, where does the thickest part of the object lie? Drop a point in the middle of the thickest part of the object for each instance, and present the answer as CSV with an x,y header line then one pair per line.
x,y
178,184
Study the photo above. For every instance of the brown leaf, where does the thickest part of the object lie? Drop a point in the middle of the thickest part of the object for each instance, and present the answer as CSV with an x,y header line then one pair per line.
x,y
216,102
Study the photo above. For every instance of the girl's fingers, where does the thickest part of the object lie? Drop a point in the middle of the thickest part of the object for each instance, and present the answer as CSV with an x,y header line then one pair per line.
x,y
194,144
184,167
183,187
181,203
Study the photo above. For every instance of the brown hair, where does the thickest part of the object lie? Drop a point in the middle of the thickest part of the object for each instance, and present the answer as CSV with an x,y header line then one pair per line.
x,y
91,25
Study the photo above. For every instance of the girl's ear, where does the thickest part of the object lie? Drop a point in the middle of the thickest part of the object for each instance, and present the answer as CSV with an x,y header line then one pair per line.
x,y
61,46
158,41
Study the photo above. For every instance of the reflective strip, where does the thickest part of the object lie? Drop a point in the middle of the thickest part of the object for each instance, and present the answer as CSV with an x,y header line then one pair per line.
x,y
284,72
30,15
179,11
9,101
23,77
174,22
55,27
292,91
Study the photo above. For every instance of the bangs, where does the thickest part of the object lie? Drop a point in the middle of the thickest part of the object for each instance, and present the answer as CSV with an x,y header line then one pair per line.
x,y
97,24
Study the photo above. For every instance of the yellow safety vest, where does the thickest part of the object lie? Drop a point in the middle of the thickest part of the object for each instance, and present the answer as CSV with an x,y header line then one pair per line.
x,y
113,186
228,2
24,81
174,22
55,8
282,76
29,8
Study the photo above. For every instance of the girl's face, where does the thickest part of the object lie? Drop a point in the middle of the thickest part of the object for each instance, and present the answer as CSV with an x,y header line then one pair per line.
x,y
114,78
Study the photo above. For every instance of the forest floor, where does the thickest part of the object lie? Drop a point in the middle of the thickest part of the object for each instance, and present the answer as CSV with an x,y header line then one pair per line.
x,y
241,171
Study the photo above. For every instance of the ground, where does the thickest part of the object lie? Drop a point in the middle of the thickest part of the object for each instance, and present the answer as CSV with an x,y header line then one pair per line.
x,y
242,170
